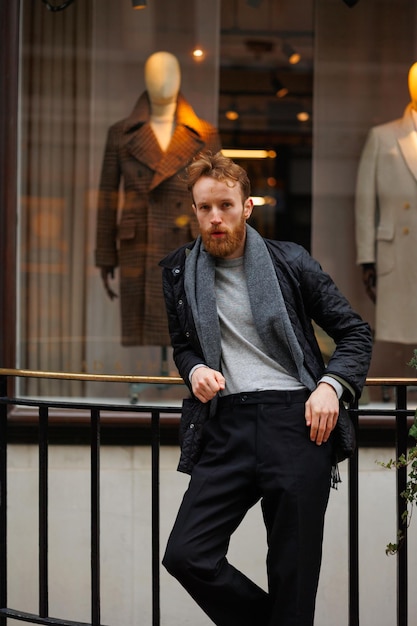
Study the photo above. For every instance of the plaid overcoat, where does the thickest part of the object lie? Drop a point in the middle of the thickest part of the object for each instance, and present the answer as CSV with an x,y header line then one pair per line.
x,y
144,211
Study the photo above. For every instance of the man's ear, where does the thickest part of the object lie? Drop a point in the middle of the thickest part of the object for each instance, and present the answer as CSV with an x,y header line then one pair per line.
x,y
194,208
247,208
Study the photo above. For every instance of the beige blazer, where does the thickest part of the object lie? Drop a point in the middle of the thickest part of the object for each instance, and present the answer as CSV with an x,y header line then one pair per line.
x,y
386,224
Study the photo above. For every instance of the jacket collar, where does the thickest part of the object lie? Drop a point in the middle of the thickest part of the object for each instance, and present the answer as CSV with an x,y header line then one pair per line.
x,y
177,257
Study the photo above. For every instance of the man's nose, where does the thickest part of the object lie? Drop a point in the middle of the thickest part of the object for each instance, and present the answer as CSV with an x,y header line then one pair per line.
x,y
215,216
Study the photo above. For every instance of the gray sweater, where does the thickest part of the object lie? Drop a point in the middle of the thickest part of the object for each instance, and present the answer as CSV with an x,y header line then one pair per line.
x,y
245,363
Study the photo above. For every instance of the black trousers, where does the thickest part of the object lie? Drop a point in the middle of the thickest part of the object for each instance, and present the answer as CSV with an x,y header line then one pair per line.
x,y
256,448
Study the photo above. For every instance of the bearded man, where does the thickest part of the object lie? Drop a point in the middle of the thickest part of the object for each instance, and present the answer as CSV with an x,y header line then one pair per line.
x,y
263,406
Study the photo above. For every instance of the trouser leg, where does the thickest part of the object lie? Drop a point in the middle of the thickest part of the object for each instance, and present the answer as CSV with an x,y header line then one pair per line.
x,y
295,485
221,490
252,452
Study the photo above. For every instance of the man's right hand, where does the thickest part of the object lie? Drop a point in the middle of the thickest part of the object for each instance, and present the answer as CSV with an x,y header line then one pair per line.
x,y
206,383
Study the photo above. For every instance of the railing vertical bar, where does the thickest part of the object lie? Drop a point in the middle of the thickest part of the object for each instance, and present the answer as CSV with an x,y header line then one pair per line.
x,y
156,608
43,511
402,556
354,531
95,517
3,499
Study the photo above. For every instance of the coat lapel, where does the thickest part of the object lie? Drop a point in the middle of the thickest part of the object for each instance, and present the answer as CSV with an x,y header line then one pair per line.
x,y
408,141
186,141
145,148
184,145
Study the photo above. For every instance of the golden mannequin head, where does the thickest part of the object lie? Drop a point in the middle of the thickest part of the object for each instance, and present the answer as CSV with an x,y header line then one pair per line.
x,y
412,84
162,78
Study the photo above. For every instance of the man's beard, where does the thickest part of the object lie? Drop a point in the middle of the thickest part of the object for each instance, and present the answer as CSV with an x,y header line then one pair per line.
x,y
228,244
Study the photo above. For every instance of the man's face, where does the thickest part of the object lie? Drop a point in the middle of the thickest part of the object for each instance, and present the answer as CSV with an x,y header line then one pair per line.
x,y
221,215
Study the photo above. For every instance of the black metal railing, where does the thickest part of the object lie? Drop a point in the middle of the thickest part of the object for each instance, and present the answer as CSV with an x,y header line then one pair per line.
x,y
40,412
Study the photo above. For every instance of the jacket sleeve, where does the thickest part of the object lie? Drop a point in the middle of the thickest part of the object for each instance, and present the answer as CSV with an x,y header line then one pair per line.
x,y
330,309
106,254
186,348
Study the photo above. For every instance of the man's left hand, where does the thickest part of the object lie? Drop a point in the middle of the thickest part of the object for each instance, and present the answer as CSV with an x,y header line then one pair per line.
x,y
321,412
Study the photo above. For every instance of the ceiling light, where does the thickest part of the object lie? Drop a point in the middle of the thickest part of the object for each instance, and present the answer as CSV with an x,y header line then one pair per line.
x,y
303,116
280,90
198,54
232,115
262,200
292,55
238,153
139,4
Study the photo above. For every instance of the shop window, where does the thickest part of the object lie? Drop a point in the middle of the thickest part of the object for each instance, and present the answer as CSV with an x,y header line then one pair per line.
x,y
82,70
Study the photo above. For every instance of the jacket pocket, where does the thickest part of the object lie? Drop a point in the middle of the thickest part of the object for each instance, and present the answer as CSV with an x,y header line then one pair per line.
x,y
385,249
127,227
193,417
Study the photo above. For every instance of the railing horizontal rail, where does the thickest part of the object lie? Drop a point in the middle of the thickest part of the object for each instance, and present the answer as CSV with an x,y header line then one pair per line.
x,y
104,378
171,380
35,619
56,404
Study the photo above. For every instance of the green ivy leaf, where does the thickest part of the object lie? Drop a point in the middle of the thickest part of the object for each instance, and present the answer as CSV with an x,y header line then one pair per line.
x,y
413,431
410,493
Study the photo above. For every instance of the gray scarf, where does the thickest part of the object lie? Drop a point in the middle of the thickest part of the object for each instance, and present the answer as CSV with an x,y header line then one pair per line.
x,y
268,307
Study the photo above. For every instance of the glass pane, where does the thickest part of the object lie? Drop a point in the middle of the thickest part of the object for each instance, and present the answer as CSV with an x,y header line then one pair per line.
x,y
363,56
87,146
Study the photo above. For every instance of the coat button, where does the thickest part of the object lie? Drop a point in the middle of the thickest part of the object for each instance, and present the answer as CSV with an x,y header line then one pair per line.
x,y
187,334
176,270
180,302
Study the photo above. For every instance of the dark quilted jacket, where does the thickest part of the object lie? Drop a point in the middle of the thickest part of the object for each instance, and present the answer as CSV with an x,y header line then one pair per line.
x,y
309,294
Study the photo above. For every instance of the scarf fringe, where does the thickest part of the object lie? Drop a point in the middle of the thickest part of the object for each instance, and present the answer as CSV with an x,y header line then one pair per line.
x,y
335,476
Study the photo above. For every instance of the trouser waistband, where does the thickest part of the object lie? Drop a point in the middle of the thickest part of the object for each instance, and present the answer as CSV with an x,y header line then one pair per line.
x,y
264,397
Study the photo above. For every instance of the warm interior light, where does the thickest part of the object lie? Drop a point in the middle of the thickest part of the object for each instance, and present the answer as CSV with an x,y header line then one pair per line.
x,y
139,4
240,153
294,58
292,55
198,54
262,200
281,92
279,88
232,115
258,200
303,116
